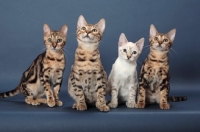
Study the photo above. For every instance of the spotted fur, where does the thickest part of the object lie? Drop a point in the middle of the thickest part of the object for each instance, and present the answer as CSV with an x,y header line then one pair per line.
x,y
123,83
46,70
154,78
88,80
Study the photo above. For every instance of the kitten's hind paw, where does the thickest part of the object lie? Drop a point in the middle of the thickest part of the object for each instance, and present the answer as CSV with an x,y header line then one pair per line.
x,y
59,103
140,105
80,107
130,104
113,105
164,106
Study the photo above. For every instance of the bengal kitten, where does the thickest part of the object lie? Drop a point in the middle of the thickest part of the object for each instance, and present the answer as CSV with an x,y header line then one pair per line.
x,y
154,75
46,70
88,80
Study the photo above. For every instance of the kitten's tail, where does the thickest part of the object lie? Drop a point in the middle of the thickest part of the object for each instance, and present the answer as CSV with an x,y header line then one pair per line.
x,y
10,93
176,99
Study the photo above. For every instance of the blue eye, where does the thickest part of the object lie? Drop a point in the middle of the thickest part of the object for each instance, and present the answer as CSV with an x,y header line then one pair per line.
x,y
124,50
134,52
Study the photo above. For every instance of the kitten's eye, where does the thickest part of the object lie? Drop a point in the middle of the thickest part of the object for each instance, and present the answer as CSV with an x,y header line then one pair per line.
x,y
134,52
124,50
156,38
49,39
83,28
59,40
165,40
94,30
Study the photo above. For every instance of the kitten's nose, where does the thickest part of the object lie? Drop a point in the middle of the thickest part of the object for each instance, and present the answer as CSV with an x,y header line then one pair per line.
x,y
128,56
54,45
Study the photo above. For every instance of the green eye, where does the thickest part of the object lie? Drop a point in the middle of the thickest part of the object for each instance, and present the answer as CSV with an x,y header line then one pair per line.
x,y
49,40
165,40
83,28
156,38
59,40
94,30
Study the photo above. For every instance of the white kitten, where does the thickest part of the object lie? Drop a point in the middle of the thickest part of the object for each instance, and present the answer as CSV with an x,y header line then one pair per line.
x,y
122,80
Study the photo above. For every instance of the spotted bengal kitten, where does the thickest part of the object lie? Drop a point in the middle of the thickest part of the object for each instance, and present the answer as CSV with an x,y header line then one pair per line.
x,y
88,80
45,70
154,75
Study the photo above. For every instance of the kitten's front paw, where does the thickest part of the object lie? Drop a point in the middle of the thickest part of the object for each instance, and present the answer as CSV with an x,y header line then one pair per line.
x,y
140,105
59,103
51,103
130,104
113,105
81,107
104,108
164,106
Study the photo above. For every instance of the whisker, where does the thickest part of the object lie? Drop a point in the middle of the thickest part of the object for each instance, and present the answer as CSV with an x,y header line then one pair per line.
x,y
146,50
139,62
170,54
146,46
174,51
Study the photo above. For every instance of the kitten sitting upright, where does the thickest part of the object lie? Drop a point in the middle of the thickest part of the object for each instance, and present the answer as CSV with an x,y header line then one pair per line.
x,y
154,83
45,70
123,83
88,80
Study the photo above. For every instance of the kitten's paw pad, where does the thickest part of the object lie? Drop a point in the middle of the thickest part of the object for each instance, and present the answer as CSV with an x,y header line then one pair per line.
x,y
59,103
130,104
113,105
164,106
51,103
81,107
140,105
103,108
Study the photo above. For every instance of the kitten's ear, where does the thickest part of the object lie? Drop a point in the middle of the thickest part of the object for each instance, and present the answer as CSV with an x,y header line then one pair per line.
x,y
122,39
140,44
172,34
81,22
102,24
64,30
153,31
46,29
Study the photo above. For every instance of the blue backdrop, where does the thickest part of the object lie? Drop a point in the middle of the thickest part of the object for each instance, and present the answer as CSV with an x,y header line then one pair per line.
x,y
21,40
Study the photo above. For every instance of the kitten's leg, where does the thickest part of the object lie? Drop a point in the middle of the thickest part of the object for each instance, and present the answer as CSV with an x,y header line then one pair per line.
x,y
48,92
132,95
101,100
29,99
114,97
57,86
163,99
76,91
141,94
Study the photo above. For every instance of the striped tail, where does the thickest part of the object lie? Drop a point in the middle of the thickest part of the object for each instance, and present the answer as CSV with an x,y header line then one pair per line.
x,y
176,99
11,93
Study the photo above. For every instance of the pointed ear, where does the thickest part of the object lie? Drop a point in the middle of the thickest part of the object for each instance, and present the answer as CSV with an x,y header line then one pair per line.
x,y
172,34
153,31
140,44
64,30
102,24
81,22
122,39
46,29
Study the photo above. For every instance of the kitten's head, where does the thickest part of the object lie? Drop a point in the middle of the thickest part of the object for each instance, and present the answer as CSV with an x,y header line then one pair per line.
x,y
128,50
159,41
89,33
55,40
